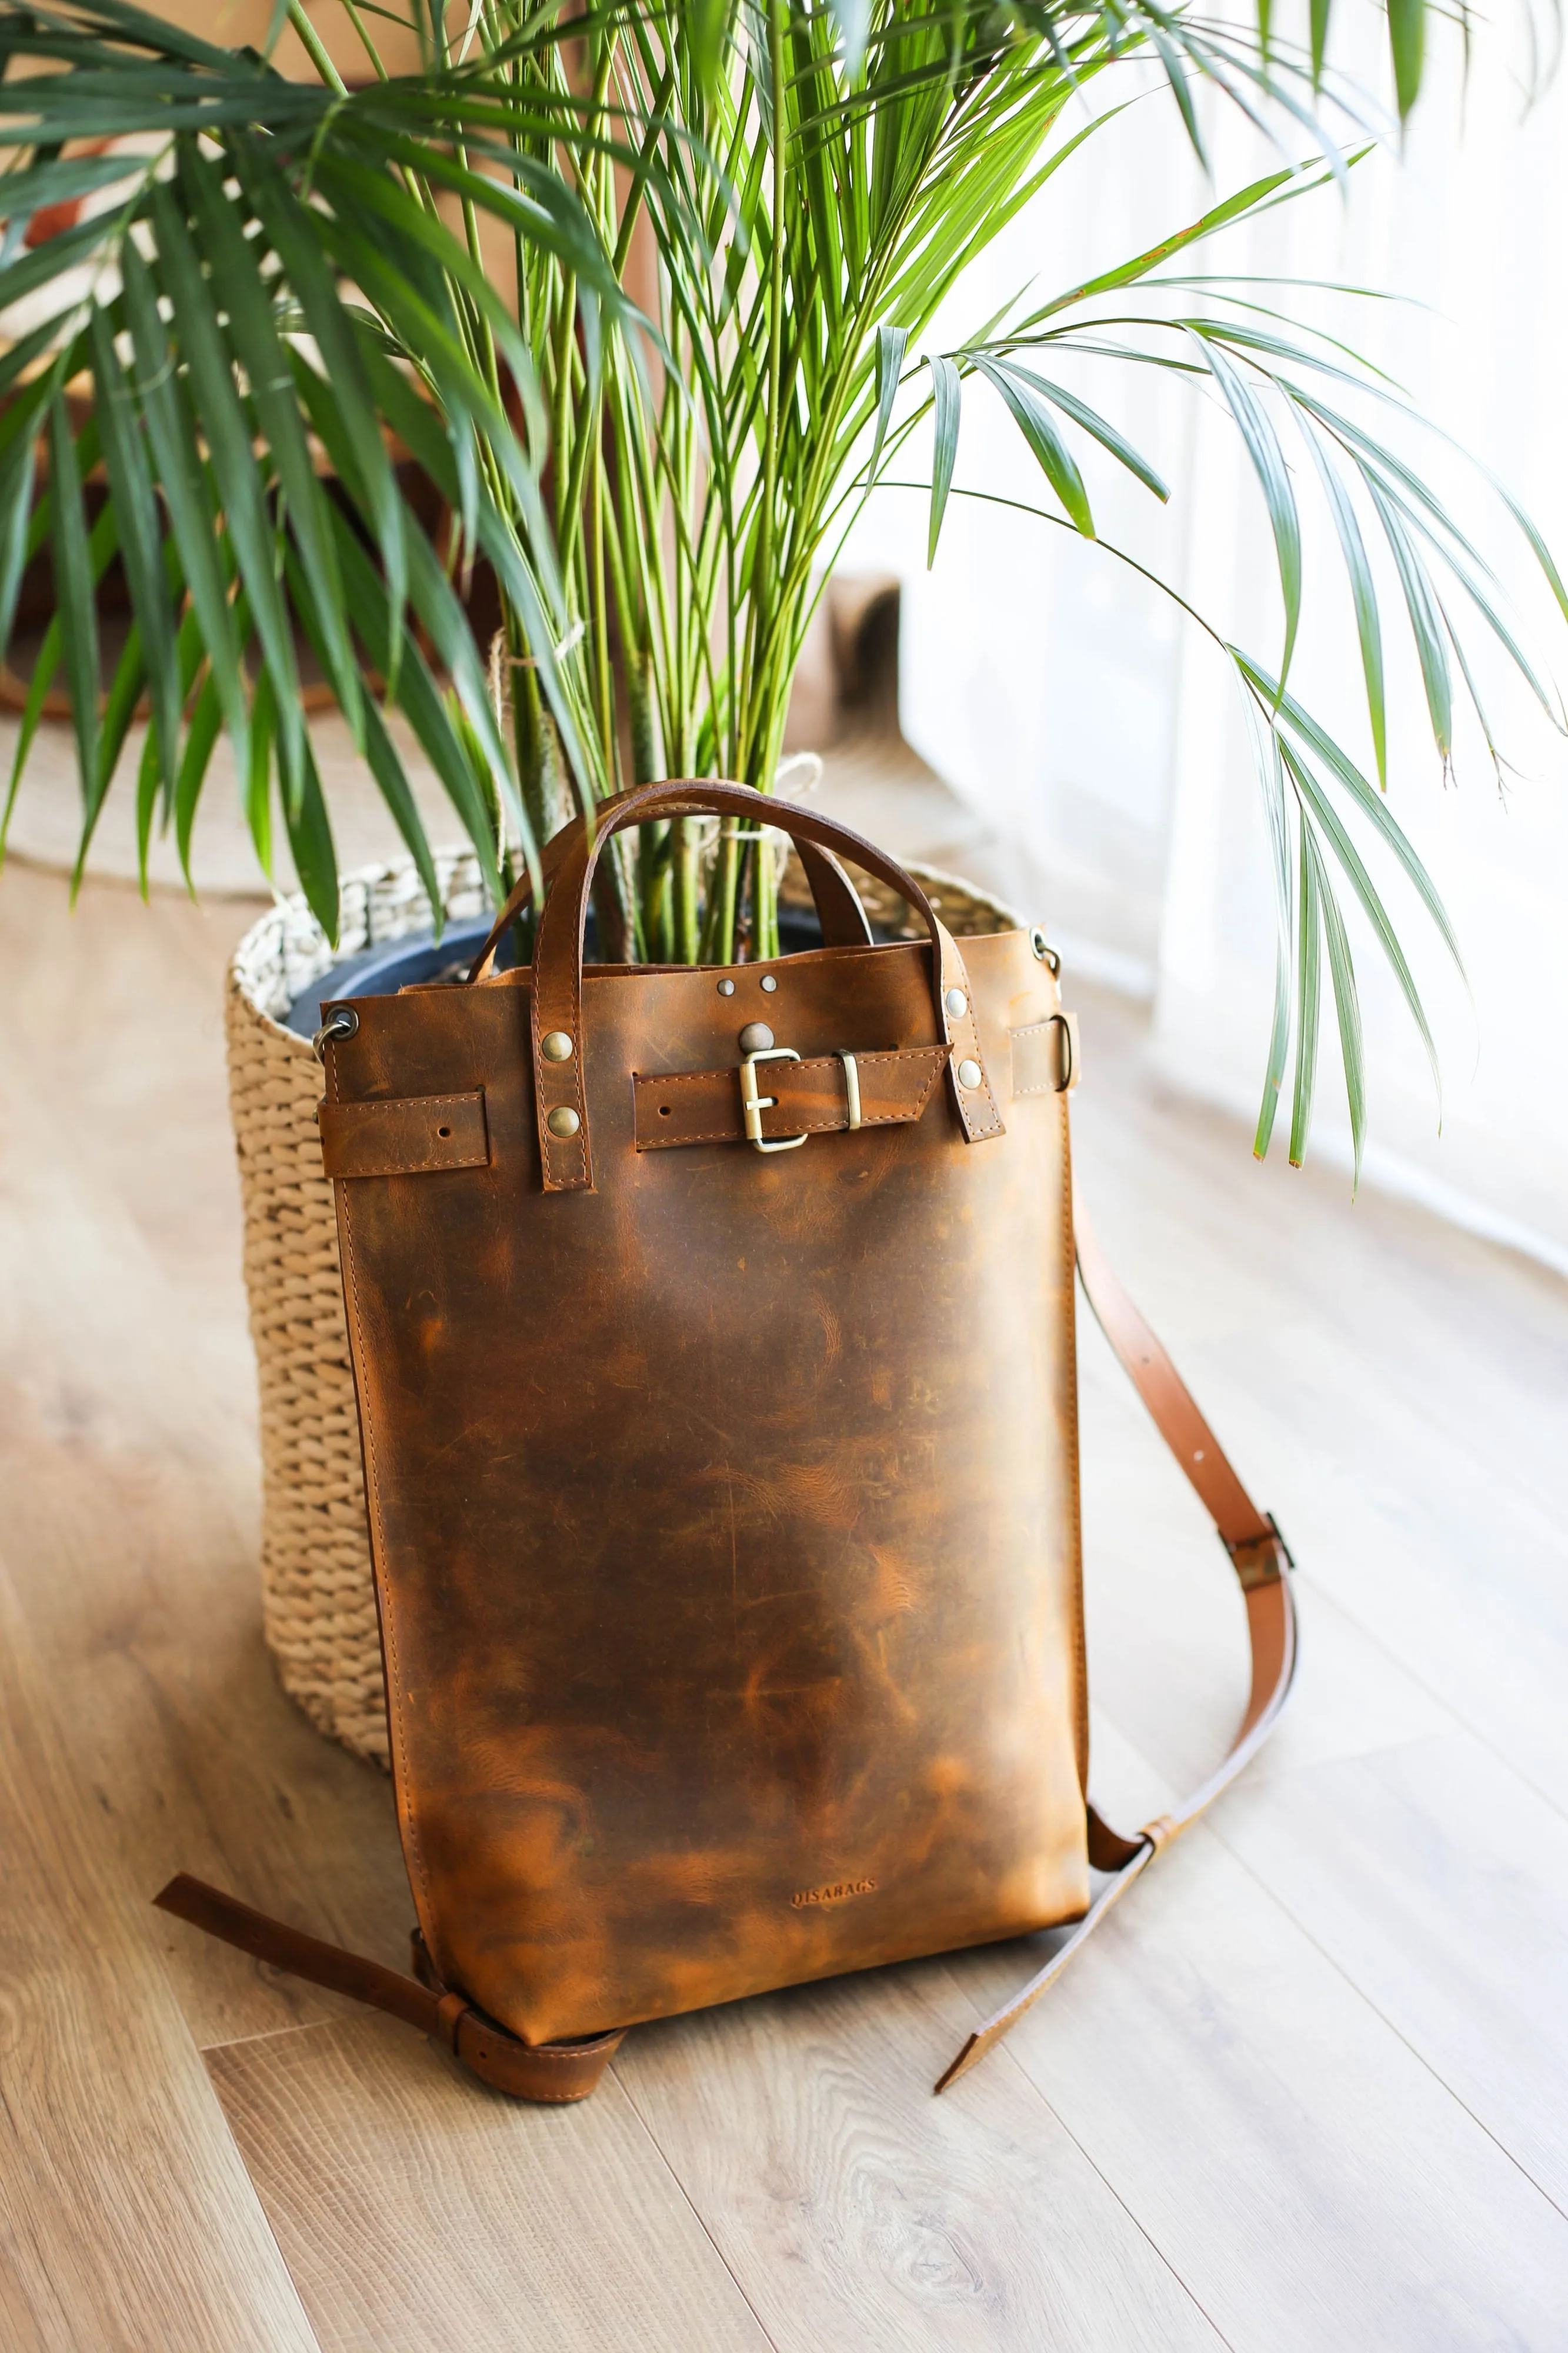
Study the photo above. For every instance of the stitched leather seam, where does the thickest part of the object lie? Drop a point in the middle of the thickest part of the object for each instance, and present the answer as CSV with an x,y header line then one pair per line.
x,y
466,1159
530,2054
825,1126
550,1147
383,1593
1080,1638
980,1124
786,1070
407,1102
835,1122
1036,1030
541,2098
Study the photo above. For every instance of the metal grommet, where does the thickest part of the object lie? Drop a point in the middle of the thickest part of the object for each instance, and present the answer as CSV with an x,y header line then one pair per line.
x,y
970,1074
768,982
756,1037
1042,949
726,989
956,1003
564,1121
341,1023
556,1046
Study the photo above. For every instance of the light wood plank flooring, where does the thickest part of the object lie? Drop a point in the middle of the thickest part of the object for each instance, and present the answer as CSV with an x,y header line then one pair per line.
x,y
1308,2089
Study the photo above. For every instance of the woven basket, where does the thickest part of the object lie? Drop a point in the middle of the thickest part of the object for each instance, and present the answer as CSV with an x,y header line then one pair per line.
x,y
318,1599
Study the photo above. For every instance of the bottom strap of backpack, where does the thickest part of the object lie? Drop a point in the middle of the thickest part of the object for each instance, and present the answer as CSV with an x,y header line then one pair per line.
x,y
554,2072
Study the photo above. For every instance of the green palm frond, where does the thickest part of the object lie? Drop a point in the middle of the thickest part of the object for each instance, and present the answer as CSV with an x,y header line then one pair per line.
x,y
303,310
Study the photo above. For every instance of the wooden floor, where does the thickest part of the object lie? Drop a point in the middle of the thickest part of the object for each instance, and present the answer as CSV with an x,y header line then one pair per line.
x,y
1308,2089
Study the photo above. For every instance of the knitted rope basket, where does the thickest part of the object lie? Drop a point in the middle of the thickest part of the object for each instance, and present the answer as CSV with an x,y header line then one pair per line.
x,y
318,1597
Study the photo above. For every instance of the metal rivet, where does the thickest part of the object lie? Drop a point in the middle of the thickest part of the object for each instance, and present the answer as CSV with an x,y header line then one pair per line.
x,y
956,1003
556,1047
756,1037
970,1074
1042,949
726,989
768,983
564,1121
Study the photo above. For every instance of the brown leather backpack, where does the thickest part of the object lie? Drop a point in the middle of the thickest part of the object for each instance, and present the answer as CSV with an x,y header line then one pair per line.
x,y
713,1334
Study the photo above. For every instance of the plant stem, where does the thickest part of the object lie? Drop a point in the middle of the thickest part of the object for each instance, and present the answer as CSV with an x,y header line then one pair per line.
x,y
762,574
311,41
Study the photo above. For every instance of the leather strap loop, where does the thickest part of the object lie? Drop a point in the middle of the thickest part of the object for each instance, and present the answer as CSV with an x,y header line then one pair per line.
x,y
1259,1556
566,1149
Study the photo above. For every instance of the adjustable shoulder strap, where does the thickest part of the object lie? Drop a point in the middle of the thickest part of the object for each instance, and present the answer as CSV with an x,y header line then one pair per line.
x,y
1259,1557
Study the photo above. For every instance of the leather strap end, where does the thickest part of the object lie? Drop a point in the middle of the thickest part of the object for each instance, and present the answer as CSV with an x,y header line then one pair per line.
x,y
408,1136
973,1096
1003,2021
973,2049
182,1897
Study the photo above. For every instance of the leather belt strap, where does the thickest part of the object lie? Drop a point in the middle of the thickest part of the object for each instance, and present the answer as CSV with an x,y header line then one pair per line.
x,y
556,2072
569,2071
1262,1562
804,1098
404,1136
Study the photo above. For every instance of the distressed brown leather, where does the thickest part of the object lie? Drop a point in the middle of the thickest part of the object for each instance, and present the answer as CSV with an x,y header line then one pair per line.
x,y
404,1137
723,1516
723,1505
566,1159
808,1098
1046,1057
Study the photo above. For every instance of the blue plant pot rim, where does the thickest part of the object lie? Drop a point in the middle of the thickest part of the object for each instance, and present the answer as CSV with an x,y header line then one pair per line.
x,y
418,956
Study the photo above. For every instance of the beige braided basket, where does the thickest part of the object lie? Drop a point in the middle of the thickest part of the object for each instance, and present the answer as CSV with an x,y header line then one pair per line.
x,y
318,1597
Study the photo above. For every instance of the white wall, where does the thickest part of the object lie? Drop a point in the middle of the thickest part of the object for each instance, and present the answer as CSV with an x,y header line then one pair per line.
x,y
1065,698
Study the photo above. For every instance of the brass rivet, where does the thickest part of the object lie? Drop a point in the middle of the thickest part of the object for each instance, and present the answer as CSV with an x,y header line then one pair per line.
x,y
555,1046
768,983
956,1003
564,1121
970,1074
756,1037
726,989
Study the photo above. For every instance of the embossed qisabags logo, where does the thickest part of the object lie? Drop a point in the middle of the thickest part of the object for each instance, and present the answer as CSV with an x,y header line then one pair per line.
x,y
834,1895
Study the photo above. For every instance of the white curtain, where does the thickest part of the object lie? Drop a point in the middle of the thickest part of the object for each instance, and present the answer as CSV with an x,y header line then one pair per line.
x,y
1083,714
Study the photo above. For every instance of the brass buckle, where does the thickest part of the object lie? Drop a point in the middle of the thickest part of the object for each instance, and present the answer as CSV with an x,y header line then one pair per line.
x,y
752,1104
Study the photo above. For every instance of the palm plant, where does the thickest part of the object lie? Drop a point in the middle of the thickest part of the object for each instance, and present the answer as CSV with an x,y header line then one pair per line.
x,y
281,288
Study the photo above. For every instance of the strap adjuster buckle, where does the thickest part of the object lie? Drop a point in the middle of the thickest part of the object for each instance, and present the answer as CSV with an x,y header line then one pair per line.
x,y
752,1104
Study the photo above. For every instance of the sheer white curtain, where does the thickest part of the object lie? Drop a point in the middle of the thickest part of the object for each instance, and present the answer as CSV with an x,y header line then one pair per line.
x,y
1076,707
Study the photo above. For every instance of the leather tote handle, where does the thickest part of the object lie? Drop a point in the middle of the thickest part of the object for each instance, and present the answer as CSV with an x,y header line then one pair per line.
x,y
838,910
556,1008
